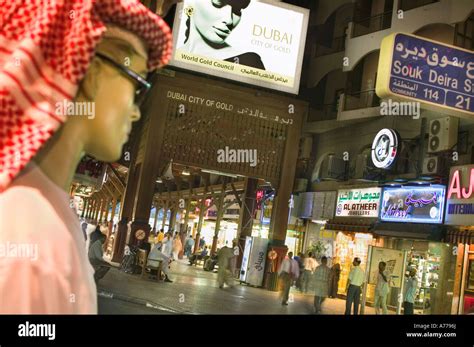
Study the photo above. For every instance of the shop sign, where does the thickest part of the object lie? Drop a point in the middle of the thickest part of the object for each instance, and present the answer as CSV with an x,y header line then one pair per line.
x,y
264,46
364,202
385,148
413,204
460,199
439,76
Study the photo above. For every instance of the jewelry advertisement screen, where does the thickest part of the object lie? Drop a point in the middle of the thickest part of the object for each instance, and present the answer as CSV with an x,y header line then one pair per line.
x,y
258,42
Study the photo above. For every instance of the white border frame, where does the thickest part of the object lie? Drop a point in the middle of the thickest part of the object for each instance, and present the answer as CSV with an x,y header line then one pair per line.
x,y
299,64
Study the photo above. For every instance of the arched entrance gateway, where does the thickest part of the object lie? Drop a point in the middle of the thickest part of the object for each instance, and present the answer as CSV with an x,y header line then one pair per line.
x,y
206,127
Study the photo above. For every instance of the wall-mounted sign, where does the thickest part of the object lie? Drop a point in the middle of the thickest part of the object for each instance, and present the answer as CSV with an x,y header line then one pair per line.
x,y
364,202
385,148
460,199
438,75
259,42
413,204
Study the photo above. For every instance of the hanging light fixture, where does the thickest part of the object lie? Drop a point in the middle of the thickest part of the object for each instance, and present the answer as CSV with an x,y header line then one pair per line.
x,y
185,172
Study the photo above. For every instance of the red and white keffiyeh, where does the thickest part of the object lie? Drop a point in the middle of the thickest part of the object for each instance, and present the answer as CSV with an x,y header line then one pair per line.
x,y
46,47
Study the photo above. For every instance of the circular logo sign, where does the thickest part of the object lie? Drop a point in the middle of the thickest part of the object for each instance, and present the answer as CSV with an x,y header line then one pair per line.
x,y
140,234
272,255
385,148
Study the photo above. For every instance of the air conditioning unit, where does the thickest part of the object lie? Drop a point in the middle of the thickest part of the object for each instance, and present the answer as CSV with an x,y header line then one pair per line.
x,y
361,166
443,134
301,185
432,166
333,168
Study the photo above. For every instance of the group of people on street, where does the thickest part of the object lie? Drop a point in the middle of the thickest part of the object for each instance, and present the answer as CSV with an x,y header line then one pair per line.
x,y
302,271
325,281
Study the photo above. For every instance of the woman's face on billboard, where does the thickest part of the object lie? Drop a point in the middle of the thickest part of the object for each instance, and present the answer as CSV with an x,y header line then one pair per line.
x,y
215,19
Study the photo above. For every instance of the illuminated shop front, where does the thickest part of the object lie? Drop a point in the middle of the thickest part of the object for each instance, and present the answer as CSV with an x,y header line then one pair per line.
x,y
356,212
349,245
411,220
460,218
317,208
227,232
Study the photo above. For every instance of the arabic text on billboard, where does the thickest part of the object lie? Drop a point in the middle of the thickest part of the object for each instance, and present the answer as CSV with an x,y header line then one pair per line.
x,y
413,204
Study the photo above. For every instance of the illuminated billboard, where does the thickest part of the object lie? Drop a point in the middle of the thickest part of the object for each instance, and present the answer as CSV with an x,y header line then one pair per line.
x,y
460,199
424,204
258,42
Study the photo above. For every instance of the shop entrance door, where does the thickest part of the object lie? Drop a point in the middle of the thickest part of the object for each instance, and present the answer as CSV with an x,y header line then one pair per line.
x,y
395,265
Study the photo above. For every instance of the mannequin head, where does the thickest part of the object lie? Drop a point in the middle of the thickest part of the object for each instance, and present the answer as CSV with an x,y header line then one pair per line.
x,y
113,94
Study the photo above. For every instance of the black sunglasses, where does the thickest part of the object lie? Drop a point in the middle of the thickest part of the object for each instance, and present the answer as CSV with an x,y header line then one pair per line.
x,y
143,86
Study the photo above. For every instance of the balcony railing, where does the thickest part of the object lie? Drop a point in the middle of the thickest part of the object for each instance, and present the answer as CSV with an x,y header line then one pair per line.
x,y
323,112
407,5
338,44
372,24
363,99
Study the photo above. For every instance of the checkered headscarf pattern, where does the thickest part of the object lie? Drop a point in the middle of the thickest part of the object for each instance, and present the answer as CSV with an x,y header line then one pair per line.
x,y
45,50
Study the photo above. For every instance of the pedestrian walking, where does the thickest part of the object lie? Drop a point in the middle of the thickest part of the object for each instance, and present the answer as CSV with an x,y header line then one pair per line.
x,y
188,246
334,280
321,284
411,285
224,274
177,246
289,270
355,283
310,264
300,260
381,289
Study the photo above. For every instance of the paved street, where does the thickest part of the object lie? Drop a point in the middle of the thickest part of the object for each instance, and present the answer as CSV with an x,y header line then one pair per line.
x,y
195,291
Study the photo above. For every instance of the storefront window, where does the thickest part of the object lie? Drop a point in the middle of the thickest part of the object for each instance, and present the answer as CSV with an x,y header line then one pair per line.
x,y
435,263
349,246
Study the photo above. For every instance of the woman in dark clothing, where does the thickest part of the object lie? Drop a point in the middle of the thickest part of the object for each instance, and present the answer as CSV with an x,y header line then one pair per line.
x,y
334,280
95,235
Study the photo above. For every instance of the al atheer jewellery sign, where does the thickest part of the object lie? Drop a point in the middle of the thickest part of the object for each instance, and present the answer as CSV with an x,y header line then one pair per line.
x,y
363,202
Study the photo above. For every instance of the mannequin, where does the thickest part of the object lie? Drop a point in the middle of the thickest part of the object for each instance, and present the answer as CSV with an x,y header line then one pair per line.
x,y
105,65
105,134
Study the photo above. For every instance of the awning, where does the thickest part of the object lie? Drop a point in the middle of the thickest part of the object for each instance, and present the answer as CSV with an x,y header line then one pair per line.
x,y
429,232
349,226
456,236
